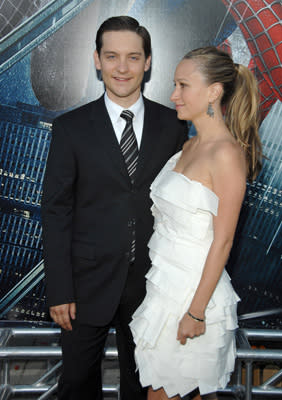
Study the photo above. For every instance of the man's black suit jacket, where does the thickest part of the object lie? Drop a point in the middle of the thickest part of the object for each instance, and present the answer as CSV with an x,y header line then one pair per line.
x,y
89,204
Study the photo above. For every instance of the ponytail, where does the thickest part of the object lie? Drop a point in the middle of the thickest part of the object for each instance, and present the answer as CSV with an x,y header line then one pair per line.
x,y
242,118
240,99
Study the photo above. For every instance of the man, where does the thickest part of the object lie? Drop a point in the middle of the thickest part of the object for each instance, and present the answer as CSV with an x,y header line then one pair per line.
x,y
96,210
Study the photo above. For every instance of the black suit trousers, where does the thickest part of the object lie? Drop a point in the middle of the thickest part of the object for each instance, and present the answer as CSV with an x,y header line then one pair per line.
x,y
83,351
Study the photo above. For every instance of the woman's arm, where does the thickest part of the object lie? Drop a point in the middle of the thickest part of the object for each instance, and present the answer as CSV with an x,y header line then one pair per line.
x,y
228,174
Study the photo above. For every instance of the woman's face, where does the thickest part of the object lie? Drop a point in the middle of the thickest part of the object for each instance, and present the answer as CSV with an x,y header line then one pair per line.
x,y
191,93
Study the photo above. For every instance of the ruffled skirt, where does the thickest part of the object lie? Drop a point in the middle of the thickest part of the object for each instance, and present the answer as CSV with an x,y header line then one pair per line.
x,y
206,361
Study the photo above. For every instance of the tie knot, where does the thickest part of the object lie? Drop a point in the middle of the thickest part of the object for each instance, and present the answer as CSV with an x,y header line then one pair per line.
x,y
127,115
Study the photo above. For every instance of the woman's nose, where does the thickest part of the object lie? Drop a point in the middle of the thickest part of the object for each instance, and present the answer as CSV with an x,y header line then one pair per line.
x,y
174,95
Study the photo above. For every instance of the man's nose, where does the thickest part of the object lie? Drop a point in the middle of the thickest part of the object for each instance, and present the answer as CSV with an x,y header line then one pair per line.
x,y
123,65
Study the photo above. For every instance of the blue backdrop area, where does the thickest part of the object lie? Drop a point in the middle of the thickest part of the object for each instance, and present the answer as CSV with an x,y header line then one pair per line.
x,y
47,68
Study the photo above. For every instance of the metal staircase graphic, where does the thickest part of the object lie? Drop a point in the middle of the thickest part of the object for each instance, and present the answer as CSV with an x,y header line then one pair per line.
x,y
36,29
21,289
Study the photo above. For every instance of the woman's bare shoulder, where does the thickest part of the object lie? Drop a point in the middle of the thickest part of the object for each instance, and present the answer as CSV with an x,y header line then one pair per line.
x,y
226,151
228,158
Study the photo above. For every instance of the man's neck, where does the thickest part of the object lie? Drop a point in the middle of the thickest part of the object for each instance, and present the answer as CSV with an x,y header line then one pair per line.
x,y
124,102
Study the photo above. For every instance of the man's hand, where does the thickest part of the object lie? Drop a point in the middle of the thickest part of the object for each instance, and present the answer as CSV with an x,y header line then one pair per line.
x,y
63,314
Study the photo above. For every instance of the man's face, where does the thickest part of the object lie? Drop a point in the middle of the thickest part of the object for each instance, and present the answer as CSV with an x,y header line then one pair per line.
x,y
122,63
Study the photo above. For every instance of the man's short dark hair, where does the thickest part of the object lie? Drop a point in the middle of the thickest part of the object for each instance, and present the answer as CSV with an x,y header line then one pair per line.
x,y
124,23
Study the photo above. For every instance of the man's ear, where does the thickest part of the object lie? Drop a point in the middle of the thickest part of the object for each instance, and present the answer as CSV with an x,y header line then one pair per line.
x,y
97,60
148,63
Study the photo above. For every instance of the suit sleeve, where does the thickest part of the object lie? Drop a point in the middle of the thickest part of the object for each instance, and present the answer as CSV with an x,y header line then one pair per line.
x,y
182,132
57,213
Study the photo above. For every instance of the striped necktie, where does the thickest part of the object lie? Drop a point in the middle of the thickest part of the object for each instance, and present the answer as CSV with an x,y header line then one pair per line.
x,y
129,148
128,144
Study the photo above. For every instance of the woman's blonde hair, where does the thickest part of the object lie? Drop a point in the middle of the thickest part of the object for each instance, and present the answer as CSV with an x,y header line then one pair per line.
x,y
240,100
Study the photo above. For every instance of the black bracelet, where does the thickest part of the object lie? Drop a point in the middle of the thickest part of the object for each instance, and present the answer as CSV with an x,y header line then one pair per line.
x,y
195,318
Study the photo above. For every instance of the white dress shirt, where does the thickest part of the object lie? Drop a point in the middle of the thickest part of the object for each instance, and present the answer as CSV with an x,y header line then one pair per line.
x,y
118,123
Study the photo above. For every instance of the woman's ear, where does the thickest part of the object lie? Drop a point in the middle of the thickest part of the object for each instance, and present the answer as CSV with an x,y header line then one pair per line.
x,y
215,92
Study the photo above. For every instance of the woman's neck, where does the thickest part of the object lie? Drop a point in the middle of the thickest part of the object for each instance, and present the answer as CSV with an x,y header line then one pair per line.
x,y
210,128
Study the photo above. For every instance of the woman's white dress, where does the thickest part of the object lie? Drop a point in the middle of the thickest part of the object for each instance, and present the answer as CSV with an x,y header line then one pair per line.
x,y
183,232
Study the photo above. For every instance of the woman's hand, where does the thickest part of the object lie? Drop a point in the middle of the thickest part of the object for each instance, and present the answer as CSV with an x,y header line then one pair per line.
x,y
189,328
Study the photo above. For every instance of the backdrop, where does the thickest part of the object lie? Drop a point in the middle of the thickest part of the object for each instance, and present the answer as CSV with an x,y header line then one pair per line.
x,y
46,58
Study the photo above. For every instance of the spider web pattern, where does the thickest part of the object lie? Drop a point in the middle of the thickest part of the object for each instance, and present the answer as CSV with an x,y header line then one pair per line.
x,y
260,23
226,47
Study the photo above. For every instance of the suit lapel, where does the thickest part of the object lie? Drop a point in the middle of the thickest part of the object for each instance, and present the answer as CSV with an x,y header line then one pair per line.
x,y
105,138
106,141
150,139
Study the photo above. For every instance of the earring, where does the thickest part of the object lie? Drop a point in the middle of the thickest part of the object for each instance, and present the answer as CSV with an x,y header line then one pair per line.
x,y
210,111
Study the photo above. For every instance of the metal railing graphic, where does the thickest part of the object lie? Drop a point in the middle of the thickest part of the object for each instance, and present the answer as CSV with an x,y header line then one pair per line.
x,y
46,385
247,356
37,28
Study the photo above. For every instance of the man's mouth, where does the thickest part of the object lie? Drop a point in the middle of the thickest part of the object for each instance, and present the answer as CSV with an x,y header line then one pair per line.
x,y
121,79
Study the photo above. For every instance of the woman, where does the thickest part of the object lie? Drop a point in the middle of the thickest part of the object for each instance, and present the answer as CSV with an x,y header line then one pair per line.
x,y
184,329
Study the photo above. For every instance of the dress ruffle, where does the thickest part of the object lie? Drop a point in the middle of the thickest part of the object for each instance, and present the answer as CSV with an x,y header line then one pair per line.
x,y
199,197
183,210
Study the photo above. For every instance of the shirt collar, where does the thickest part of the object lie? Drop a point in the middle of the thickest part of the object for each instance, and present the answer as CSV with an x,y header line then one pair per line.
x,y
115,109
